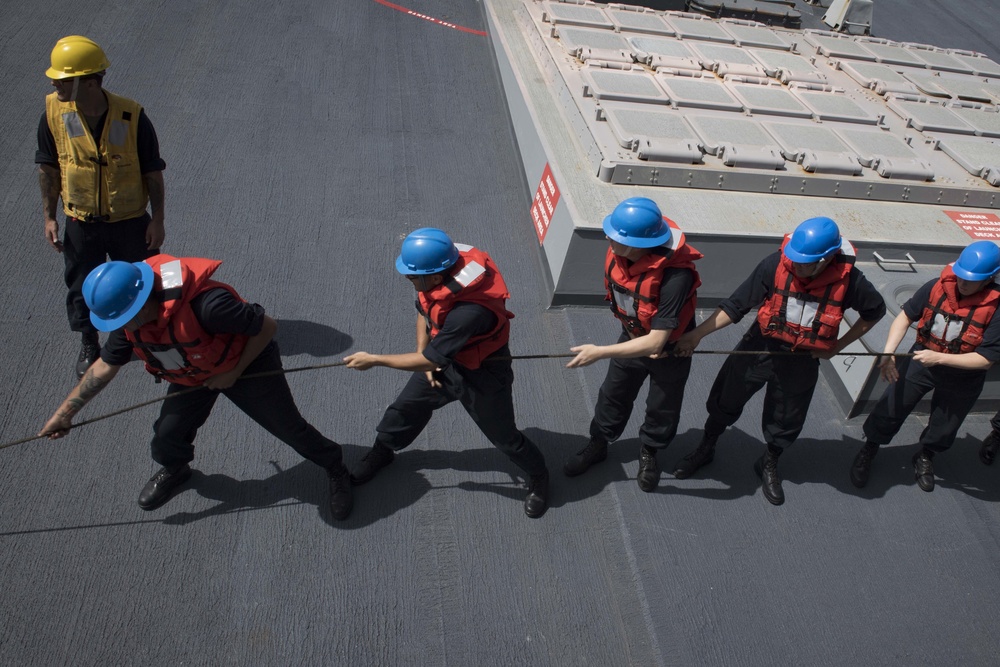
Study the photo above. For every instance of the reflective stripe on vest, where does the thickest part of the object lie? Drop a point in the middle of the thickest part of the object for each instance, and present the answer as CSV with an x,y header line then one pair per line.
x,y
807,313
951,323
633,290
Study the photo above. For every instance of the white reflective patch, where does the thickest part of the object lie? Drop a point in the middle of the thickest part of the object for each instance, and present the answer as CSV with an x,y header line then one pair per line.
x,y
469,273
171,359
463,248
170,274
74,128
946,330
801,313
117,133
675,238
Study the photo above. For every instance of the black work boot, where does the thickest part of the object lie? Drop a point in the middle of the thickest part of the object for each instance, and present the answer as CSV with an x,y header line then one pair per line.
x,y
595,452
649,470
862,465
923,469
159,488
90,350
988,452
378,457
766,468
341,494
697,458
537,500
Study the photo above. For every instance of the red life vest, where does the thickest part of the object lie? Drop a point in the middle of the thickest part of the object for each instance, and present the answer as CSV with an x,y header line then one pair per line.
x,y
640,281
473,279
807,313
952,323
175,346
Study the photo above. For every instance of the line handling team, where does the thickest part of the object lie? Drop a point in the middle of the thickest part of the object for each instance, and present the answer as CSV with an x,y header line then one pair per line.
x,y
99,154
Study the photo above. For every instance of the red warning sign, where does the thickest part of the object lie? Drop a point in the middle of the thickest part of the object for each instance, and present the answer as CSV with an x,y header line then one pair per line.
x,y
543,206
977,225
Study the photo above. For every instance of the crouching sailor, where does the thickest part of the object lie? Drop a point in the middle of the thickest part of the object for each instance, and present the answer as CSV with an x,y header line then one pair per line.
x,y
193,331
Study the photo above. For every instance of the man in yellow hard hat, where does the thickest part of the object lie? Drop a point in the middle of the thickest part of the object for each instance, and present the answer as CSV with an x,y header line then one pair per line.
x,y
99,153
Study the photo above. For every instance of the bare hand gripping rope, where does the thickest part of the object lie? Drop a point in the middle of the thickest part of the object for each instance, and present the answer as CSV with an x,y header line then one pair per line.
x,y
287,371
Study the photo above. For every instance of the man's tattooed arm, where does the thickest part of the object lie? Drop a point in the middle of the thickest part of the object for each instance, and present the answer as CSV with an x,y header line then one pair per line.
x,y
94,380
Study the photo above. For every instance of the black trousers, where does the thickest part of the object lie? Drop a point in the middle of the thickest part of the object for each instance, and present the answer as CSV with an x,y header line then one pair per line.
x,y
955,392
87,245
790,382
485,393
622,383
268,401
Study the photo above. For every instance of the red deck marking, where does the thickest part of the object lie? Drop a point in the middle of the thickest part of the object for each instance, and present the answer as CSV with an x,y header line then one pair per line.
x,y
543,206
430,18
977,225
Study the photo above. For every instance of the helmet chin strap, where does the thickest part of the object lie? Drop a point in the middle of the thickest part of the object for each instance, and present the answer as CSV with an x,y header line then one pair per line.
x,y
76,89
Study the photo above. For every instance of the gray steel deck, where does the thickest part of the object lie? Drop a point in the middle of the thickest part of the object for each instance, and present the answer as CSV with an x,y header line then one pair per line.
x,y
303,141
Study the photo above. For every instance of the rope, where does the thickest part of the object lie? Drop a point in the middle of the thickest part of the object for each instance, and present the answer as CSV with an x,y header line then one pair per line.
x,y
518,357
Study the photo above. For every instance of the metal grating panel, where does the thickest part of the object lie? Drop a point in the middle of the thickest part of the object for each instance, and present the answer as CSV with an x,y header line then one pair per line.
x,y
717,132
986,123
889,156
939,59
660,46
630,124
980,157
698,93
793,67
692,28
980,65
926,116
838,47
773,100
891,53
751,35
624,86
831,106
794,139
956,87
928,83
872,146
712,55
880,78
574,39
633,21
585,15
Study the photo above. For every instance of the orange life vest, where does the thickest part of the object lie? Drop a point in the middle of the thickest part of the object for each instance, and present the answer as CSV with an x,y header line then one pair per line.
x,y
175,346
807,313
473,279
952,323
640,282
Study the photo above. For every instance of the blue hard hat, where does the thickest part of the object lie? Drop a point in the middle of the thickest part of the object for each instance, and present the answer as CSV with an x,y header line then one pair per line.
x,y
979,261
115,292
813,240
638,223
425,251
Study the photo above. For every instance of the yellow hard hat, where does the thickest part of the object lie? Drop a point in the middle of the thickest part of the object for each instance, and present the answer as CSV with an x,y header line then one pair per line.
x,y
76,56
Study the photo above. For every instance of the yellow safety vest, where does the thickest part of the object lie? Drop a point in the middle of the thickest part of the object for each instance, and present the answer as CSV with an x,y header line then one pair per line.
x,y
99,181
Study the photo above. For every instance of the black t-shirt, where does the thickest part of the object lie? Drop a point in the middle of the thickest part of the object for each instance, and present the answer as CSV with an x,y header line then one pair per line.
x,y
464,321
989,348
147,144
218,312
759,286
